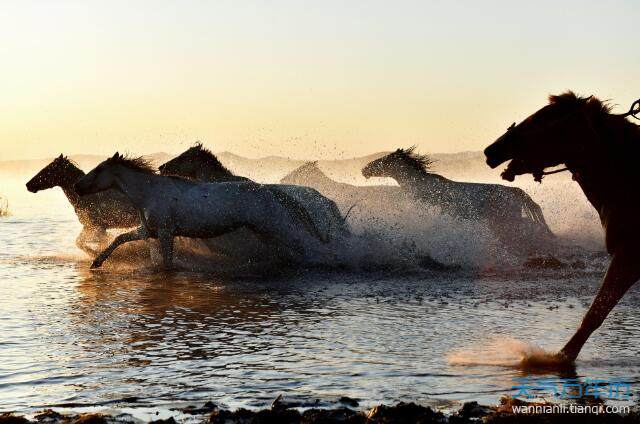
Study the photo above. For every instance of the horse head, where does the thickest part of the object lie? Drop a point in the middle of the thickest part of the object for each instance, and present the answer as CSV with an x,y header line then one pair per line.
x,y
303,174
381,167
553,135
60,171
394,163
184,165
194,162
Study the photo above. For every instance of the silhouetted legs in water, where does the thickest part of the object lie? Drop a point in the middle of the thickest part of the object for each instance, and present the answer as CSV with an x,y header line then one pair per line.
x,y
137,234
623,272
290,247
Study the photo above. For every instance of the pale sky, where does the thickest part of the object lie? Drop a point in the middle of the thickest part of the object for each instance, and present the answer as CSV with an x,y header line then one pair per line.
x,y
304,79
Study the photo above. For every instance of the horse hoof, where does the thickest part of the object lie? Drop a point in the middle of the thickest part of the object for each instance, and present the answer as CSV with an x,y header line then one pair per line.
x,y
95,264
545,361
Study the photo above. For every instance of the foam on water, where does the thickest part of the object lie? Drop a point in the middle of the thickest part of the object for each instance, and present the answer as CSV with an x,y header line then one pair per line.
x,y
407,232
399,238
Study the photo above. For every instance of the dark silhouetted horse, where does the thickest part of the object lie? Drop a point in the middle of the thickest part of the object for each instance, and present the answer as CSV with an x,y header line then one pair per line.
x,y
96,212
601,150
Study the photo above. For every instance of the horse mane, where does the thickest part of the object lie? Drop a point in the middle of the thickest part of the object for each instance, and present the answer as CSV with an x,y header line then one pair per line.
x,y
308,166
67,160
420,162
569,99
600,108
601,111
207,157
135,163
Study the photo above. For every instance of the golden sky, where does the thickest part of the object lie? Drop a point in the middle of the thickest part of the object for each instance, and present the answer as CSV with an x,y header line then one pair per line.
x,y
302,79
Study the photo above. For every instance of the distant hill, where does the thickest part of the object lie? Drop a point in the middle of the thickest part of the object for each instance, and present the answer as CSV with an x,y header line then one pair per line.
x,y
85,162
463,165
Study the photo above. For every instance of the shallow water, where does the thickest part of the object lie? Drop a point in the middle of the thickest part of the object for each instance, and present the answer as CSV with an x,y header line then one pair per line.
x,y
147,339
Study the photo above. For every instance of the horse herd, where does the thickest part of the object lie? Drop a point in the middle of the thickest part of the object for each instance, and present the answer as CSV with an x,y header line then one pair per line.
x,y
195,196
125,192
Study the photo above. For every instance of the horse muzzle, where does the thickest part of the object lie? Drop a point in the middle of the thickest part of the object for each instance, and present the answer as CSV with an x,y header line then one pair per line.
x,y
494,162
31,188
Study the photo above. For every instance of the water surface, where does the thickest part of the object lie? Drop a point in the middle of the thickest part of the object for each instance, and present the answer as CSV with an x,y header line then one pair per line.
x,y
140,338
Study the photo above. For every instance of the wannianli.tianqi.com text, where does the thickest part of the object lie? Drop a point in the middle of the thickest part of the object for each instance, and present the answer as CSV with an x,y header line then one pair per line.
x,y
571,409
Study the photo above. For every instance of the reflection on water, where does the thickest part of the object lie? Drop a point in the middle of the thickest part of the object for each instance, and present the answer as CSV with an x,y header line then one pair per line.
x,y
72,336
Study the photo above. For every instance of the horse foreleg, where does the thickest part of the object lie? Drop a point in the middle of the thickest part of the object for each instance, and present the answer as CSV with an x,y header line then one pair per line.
x,y
137,234
166,248
623,272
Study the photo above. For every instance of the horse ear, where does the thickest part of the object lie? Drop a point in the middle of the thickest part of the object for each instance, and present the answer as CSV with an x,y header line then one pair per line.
x,y
116,155
60,157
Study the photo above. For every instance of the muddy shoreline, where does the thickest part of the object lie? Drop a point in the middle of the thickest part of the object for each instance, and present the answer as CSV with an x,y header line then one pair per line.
x,y
281,412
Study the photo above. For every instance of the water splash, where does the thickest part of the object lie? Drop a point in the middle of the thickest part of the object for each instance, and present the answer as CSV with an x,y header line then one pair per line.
x,y
4,206
505,352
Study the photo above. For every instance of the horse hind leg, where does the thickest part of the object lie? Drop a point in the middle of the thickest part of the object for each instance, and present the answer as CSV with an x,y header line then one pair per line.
x,y
623,272
298,211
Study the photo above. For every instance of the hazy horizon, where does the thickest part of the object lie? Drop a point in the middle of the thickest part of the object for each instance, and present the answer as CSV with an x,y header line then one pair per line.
x,y
327,80
228,152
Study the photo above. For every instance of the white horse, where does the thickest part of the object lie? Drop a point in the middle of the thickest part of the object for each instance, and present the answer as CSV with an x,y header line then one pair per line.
x,y
174,206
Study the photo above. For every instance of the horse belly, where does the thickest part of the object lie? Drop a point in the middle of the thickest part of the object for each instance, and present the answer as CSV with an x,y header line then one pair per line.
x,y
203,224
203,219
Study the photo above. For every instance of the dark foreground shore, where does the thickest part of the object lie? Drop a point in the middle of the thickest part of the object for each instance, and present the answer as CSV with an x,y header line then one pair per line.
x,y
401,413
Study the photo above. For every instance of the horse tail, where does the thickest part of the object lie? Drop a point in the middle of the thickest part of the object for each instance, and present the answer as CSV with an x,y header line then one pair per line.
x,y
298,210
533,211
346,215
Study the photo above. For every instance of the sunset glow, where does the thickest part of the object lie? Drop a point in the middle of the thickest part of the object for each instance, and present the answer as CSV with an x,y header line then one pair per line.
x,y
301,79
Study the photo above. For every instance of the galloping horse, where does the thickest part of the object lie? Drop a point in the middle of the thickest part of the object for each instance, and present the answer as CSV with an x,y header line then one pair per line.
x,y
601,151
96,212
171,206
199,163
506,210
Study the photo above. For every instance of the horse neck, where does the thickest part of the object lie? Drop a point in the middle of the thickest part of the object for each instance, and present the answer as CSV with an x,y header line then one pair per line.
x,y
321,177
314,176
137,186
211,174
411,178
605,170
66,184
